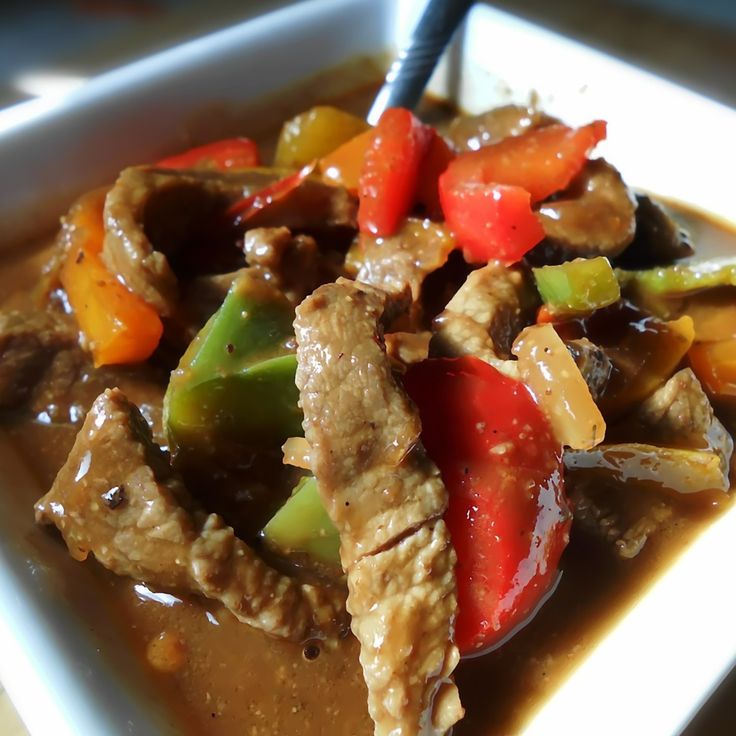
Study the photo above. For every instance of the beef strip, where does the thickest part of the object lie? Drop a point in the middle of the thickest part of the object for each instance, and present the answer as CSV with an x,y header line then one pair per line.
x,y
117,498
158,222
469,133
595,366
594,216
658,240
386,498
484,316
403,260
29,345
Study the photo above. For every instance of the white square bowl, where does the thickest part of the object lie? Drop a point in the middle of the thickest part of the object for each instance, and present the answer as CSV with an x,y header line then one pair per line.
x,y
668,653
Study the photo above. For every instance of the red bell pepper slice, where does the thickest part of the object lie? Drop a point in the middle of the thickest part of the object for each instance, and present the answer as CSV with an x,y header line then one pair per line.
x,y
490,220
231,153
542,161
507,514
434,163
245,208
389,175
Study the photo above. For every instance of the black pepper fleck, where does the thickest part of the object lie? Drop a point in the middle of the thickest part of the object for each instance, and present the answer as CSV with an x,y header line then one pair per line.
x,y
114,497
311,652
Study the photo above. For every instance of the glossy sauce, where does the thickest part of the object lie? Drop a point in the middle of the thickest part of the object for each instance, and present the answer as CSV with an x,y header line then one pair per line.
x,y
218,676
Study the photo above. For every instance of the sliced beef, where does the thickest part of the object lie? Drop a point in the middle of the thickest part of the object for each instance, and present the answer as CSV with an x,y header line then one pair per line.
x,y
293,263
658,241
403,260
386,498
401,600
595,366
29,345
595,215
162,223
469,133
117,498
484,317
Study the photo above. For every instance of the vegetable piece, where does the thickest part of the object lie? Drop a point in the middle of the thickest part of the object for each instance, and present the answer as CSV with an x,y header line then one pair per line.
x,y
343,165
118,326
235,383
667,468
542,161
507,513
682,278
314,134
714,364
490,221
435,162
546,366
578,286
231,153
245,208
713,313
302,525
388,178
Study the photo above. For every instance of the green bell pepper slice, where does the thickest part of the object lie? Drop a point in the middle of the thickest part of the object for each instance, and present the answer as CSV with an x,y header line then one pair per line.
x,y
577,287
302,525
235,383
682,278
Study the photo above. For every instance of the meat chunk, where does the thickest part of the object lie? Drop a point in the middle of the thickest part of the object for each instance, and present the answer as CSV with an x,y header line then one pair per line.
x,y
658,240
386,498
158,222
680,414
674,442
29,344
595,215
469,133
293,263
116,497
484,316
403,260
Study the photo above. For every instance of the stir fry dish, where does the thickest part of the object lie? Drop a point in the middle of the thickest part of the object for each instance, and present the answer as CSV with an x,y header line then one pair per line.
x,y
346,411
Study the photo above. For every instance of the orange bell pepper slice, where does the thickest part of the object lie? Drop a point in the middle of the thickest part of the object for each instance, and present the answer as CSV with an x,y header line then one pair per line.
x,y
344,164
714,363
118,326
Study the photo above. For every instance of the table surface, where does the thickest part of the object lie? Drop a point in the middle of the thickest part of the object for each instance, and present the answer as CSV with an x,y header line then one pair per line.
x,y
692,53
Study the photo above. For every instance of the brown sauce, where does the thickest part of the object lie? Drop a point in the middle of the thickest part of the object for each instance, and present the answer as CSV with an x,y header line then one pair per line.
x,y
218,676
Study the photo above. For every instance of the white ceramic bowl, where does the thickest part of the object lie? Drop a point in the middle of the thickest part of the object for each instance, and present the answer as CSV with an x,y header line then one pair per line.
x,y
669,652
